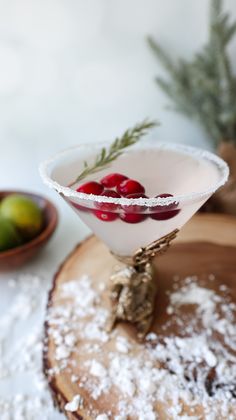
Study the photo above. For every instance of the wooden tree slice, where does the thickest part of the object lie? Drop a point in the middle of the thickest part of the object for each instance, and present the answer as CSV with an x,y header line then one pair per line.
x,y
206,248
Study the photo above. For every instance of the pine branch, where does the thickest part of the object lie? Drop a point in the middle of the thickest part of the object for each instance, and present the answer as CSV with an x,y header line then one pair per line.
x,y
229,33
205,87
163,57
106,156
216,7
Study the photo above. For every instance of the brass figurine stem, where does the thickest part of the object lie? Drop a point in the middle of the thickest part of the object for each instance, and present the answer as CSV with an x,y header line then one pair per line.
x,y
133,288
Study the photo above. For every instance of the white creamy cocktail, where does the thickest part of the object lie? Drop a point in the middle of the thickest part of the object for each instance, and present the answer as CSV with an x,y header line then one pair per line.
x,y
171,182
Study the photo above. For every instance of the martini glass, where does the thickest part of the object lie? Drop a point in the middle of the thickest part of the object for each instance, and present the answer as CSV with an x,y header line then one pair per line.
x,y
178,180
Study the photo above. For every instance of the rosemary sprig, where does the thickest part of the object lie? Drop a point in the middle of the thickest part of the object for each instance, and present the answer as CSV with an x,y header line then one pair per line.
x,y
106,156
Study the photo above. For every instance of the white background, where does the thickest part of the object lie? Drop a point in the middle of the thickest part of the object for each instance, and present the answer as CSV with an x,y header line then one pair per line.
x,y
74,71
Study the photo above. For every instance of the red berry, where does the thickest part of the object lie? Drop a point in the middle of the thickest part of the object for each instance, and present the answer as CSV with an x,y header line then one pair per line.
x,y
132,217
130,186
134,208
166,207
108,206
91,187
112,180
165,215
79,207
165,212
105,216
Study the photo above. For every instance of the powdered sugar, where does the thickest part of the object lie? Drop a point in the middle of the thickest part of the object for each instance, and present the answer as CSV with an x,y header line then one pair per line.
x,y
96,369
21,345
192,294
77,402
196,365
102,417
122,344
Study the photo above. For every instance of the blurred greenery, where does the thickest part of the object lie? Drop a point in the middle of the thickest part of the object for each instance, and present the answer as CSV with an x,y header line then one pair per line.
x,y
204,88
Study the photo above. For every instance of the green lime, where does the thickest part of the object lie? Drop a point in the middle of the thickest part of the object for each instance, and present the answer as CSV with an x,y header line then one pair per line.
x,y
9,237
24,213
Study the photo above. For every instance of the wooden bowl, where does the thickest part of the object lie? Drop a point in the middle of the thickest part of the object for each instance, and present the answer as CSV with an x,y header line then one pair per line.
x,y
16,257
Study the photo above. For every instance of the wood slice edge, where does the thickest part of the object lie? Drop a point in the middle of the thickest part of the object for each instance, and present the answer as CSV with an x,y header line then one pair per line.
x,y
58,397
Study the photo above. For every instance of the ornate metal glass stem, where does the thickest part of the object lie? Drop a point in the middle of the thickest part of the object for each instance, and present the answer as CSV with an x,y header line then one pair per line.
x,y
133,288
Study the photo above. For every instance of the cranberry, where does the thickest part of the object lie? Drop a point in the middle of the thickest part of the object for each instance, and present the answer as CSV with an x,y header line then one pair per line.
x,y
134,208
79,207
165,212
105,216
132,217
165,215
91,187
112,180
108,206
130,186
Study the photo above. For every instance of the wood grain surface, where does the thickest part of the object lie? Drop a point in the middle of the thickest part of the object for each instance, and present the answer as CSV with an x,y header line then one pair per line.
x,y
206,245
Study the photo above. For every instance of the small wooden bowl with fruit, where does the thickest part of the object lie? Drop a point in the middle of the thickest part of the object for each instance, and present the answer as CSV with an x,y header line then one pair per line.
x,y
27,221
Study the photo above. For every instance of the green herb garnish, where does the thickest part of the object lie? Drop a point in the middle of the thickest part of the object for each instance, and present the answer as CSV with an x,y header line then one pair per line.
x,y
106,156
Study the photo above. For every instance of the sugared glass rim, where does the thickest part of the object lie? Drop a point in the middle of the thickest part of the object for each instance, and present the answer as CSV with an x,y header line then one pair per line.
x,y
148,202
